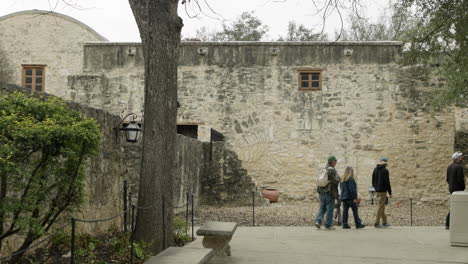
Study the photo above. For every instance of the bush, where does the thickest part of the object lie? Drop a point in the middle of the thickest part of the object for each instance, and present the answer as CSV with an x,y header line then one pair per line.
x,y
43,146
181,236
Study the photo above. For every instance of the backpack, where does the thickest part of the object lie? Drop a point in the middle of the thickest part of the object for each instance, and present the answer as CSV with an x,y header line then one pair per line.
x,y
322,178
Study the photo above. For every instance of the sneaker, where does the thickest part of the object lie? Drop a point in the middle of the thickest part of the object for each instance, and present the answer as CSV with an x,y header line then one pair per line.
x,y
360,226
385,225
346,227
317,225
378,226
330,228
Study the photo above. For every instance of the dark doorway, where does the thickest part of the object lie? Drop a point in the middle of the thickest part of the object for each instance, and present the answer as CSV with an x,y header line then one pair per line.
x,y
190,131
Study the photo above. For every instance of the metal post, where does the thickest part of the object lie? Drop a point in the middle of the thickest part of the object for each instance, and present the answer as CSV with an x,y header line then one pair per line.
x,y
163,223
72,257
130,203
211,149
186,215
125,188
411,210
132,234
253,208
193,235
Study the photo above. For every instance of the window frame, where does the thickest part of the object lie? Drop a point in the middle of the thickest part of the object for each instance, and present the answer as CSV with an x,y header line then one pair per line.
x,y
34,67
310,71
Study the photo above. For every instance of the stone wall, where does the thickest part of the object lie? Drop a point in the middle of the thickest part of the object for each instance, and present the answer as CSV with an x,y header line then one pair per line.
x,y
47,38
213,173
225,181
369,106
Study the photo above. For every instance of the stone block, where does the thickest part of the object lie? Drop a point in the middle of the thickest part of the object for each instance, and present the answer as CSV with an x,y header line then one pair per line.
x,y
182,255
217,235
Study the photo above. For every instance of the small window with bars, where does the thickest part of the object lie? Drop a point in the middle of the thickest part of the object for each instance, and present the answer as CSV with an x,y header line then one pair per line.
x,y
33,77
310,80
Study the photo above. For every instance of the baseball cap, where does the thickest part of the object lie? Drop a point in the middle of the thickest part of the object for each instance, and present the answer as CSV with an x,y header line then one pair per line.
x,y
456,155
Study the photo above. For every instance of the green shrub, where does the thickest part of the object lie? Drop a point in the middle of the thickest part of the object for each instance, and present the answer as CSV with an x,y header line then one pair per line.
x,y
181,236
43,146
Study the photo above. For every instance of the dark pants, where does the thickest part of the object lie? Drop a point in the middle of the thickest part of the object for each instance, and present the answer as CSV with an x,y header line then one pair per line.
x,y
350,204
447,220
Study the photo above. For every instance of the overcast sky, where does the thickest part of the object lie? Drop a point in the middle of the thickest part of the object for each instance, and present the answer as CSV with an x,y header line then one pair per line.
x,y
114,19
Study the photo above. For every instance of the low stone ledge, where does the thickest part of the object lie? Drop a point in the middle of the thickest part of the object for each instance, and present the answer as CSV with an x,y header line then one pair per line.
x,y
217,235
214,228
182,255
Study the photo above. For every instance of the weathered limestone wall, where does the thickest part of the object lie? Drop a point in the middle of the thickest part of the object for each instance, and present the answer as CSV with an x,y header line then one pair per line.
x,y
213,174
225,181
112,78
44,37
189,168
369,107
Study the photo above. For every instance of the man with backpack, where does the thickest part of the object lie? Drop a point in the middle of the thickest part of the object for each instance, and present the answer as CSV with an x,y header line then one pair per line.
x,y
327,187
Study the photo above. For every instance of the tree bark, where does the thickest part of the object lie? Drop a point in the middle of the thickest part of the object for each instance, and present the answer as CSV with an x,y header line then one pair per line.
x,y
160,28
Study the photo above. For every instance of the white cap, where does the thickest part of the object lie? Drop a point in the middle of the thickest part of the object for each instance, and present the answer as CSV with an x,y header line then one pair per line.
x,y
456,155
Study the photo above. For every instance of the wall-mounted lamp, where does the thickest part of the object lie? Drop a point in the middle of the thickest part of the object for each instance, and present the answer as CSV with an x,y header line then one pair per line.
x,y
132,130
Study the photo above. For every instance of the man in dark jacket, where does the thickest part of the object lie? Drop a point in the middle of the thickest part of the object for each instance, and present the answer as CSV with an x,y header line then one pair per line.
x,y
455,179
327,196
381,184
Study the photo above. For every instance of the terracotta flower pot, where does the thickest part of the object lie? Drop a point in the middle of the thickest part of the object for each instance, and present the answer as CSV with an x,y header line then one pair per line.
x,y
271,194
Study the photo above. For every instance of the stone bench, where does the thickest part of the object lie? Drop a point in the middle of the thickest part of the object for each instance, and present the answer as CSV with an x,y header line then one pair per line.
x,y
217,235
182,255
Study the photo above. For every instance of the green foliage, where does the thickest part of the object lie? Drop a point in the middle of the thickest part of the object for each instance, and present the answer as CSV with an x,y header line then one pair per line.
x,y
113,247
247,27
181,236
440,39
43,146
434,34
60,242
301,33
142,250
393,24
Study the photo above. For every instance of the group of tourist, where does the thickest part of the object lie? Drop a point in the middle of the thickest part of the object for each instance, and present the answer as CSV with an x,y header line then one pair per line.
x,y
344,190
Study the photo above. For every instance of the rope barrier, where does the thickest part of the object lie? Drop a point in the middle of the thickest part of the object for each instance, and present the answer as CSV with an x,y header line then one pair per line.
x,y
175,207
100,220
148,207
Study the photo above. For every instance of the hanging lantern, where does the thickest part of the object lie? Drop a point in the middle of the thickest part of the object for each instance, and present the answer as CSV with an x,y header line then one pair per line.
x,y
132,130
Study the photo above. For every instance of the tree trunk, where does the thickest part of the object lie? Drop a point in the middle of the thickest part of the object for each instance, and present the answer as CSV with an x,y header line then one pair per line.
x,y
160,28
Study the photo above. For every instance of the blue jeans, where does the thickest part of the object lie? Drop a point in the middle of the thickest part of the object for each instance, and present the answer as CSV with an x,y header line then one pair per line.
x,y
346,205
327,204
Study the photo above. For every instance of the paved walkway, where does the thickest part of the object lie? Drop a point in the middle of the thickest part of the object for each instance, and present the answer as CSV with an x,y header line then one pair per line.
x,y
300,245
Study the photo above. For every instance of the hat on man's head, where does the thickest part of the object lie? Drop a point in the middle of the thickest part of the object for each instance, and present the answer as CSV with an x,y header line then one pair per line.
x,y
384,159
456,155
331,158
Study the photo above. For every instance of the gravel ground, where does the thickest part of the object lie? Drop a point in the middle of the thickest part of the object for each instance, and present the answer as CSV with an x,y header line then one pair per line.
x,y
302,214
